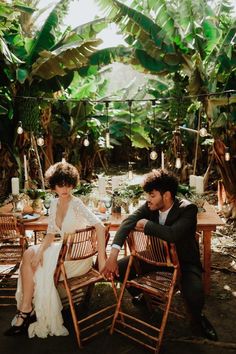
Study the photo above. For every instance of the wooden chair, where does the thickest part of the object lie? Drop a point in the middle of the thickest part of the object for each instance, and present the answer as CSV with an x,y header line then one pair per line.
x,y
78,246
157,286
12,246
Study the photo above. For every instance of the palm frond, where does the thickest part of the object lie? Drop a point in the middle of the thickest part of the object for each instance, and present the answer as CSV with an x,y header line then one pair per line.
x,y
46,38
68,57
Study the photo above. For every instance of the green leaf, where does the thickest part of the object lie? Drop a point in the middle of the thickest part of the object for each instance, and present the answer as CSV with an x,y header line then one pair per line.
x,y
46,38
68,57
21,75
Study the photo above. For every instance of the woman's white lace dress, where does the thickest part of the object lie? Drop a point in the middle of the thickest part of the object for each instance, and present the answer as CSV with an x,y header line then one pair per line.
x,y
46,300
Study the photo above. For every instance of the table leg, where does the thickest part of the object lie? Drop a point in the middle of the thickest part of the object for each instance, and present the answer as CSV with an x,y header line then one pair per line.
x,y
207,260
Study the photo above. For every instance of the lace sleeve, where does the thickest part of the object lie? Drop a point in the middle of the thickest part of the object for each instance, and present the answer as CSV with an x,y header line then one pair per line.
x,y
51,219
81,210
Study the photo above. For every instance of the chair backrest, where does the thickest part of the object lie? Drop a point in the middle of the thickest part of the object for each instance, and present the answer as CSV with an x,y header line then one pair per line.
x,y
80,244
8,228
152,249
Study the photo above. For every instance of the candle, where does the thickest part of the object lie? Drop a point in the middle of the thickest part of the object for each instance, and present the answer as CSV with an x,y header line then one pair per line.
x,y
102,185
15,185
162,160
25,168
192,181
115,182
199,184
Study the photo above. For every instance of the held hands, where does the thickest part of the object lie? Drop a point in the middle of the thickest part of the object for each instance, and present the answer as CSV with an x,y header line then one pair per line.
x,y
111,267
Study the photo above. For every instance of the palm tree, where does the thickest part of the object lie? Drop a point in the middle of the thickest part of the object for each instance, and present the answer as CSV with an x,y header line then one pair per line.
x,y
195,40
39,65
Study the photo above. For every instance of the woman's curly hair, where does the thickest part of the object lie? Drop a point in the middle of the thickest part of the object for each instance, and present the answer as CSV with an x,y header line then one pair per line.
x,y
61,174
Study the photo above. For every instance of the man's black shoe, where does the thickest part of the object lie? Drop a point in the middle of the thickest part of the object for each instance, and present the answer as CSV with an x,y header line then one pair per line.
x,y
138,300
208,330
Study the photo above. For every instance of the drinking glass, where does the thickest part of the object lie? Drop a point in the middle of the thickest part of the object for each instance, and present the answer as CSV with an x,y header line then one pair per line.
x,y
107,203
47,203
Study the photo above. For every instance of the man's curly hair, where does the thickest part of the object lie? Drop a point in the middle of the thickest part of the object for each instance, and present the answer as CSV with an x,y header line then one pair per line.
x,y
162,181
61,174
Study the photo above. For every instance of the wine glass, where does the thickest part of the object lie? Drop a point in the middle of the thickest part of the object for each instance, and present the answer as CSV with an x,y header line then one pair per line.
x,y
107,202
47,203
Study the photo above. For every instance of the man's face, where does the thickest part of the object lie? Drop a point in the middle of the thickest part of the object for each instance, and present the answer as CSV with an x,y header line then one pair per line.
x,y
155,200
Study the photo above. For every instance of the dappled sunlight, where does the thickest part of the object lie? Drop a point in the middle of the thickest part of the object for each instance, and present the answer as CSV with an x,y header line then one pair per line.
x,y
228,288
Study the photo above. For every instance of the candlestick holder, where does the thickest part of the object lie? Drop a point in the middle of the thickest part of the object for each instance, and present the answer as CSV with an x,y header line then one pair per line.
x,y
16,203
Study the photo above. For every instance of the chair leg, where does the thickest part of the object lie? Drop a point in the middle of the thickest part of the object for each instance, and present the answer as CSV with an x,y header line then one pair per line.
x,y
121,295
167,309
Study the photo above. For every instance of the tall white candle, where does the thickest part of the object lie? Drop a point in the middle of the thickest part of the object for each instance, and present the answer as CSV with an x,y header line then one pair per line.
x,y
15,185
102,185
199,184
162,160
25,168
115,182
192,180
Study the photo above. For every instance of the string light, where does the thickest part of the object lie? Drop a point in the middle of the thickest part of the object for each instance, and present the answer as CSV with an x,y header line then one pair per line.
x,y
40,141
203,132
227,150
153,153
178,162
86,141
107,138
130,167
227,154
20,128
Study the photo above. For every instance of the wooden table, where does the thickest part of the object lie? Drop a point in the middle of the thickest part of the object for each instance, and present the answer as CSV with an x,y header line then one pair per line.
x,y
206,223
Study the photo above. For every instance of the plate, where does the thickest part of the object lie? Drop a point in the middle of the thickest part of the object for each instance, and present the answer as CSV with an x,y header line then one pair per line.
x,y
30,217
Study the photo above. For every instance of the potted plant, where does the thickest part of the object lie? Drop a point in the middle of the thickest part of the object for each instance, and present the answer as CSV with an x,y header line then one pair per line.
x,y
83,191
36,196
125,195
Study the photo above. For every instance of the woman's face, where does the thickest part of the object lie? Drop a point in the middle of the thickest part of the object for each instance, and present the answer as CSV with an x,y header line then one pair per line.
x,y
64,191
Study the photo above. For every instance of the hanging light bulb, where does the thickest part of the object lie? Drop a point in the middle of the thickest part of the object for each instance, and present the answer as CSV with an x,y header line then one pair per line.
x,y
227,151
227,154
203,132
107,138
130,171
130,168
20,128
178,162
153,155
86,141
40,141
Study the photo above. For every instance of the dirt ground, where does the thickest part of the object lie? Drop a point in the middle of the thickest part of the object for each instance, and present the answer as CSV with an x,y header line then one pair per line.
x,y
220,308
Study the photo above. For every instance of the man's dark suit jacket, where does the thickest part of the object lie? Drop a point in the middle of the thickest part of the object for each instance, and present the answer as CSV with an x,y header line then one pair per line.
x,y
179,228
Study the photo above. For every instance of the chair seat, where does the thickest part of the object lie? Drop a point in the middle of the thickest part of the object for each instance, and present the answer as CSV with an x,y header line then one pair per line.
x,y
90,277
152,282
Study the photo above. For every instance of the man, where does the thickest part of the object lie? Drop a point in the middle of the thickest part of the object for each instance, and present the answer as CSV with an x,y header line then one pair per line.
x,y
173,220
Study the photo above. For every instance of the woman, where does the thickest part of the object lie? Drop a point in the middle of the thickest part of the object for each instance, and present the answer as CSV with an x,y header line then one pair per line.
x,y
36,293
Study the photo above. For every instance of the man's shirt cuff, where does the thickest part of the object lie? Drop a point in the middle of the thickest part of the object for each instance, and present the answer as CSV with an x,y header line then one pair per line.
x,y
116,246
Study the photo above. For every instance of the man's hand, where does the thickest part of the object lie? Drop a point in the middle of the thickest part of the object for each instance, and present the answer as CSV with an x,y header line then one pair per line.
x,y
141,223
111,267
